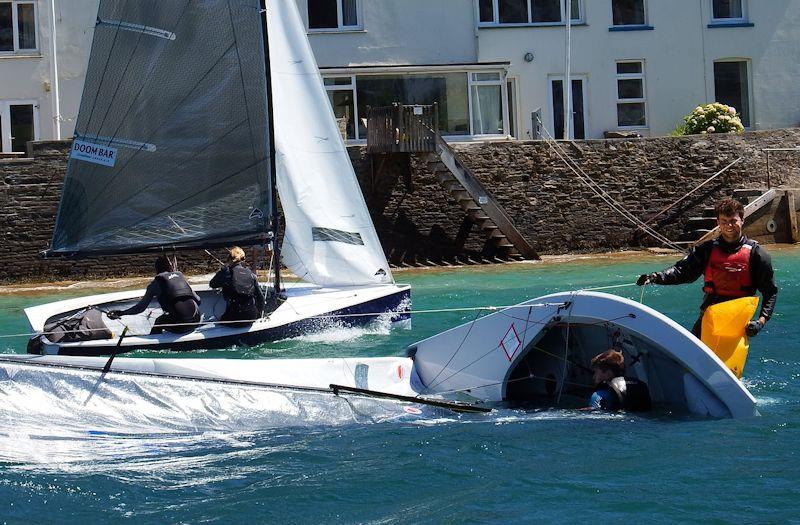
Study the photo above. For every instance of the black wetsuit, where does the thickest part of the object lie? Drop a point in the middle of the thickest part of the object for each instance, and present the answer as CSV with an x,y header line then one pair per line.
x,y
693,266
177,299
243,295
621,393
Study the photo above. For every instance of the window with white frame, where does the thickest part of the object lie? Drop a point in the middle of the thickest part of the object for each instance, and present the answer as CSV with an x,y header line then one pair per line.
x,y
341,94
631,111
486,99
532,12
728,11
17,26
470,102
628,12
333,15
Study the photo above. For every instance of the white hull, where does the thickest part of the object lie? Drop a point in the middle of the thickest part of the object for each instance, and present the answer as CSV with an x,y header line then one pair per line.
x,y
305,308
469,363
519,355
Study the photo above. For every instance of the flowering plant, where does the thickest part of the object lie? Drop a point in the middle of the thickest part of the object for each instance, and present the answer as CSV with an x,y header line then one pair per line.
x,y
712,118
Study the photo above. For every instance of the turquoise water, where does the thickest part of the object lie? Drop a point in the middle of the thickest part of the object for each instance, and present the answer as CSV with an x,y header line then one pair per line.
x,y
508,467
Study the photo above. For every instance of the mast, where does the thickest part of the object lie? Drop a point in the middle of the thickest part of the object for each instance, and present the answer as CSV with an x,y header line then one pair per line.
x,y
276,251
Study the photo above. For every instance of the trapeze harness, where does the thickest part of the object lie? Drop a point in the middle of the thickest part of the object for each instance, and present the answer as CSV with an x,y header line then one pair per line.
x,y
240,293
174,291
631,394
727,275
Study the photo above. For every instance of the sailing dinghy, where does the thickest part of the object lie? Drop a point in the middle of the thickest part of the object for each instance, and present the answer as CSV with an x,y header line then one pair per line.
x,y
175,148
535,354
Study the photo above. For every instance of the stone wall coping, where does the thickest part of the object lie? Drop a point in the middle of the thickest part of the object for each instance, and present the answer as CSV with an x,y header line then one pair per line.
x,y
23,160
64,143
697,138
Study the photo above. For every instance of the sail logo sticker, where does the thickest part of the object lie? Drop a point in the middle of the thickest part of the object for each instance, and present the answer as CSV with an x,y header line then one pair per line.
x,y
93,153
510,342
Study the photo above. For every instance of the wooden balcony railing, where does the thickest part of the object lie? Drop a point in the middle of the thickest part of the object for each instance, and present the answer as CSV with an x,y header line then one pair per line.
x,y
402,128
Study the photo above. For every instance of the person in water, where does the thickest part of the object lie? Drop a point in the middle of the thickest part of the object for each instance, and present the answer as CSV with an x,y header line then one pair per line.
x,y
243,295
732,265
614,391
181,305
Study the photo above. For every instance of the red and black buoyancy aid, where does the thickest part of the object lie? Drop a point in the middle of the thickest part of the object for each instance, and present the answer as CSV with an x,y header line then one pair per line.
x,y
728,274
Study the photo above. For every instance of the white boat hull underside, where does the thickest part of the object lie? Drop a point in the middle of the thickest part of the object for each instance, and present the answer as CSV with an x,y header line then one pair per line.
x,y
306,308
540,352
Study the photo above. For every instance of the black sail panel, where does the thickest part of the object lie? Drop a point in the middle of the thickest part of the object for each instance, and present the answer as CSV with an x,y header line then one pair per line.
x,y
171,141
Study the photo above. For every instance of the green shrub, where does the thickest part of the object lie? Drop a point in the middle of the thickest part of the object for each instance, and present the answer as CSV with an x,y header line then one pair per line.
x,y
711,118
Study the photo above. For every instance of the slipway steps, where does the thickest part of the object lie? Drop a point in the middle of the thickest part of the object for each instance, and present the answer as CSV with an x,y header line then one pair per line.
x,y
478,203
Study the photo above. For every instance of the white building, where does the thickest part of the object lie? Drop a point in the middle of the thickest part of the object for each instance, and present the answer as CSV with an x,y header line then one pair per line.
x,y
635,65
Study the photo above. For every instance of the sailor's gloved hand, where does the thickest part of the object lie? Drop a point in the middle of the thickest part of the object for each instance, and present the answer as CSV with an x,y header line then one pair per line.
x,y
114,314
753,327
647,278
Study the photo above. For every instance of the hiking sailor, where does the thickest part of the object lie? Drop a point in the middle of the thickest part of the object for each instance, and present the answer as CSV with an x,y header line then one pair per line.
x,y
733,266
244,297
614,391
177,299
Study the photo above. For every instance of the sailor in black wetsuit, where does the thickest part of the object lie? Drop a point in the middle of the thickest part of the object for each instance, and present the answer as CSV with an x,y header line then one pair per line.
x,y
733,266
243,295
177,299
614,391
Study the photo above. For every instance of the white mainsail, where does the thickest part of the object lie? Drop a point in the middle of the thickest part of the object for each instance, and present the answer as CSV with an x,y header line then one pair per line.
x,y
329,238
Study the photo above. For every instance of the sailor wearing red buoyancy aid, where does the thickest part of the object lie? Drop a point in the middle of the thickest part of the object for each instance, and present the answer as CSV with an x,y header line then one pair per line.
x,y
732,265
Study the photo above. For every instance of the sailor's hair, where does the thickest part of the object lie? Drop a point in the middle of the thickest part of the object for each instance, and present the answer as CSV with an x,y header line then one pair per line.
x,y
235,255
163,264
610,360
729,207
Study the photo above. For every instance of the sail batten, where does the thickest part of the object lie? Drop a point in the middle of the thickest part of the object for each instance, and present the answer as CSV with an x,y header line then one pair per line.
x,y
172,130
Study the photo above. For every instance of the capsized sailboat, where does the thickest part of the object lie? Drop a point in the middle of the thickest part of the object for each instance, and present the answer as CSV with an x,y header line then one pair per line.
x,y
535,354
175,148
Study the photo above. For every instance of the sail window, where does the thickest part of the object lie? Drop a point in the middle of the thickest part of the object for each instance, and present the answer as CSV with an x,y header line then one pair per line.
x,y
332,15
631,100
527,12
17,26
332,235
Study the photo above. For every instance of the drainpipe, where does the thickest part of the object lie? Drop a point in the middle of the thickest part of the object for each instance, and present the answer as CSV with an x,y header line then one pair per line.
x,y
567,72
705,56
54,49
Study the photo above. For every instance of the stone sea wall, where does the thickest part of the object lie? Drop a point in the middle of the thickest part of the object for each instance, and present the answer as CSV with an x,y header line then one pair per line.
x,y
417,219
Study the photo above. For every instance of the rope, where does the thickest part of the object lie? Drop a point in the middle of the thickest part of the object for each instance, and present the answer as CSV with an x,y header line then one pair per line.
x,y
600,192
714,176
607,287
531,376
321,316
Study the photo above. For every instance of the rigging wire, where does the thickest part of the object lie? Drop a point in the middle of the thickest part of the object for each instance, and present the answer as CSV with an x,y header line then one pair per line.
x,y
598,190
321,316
